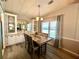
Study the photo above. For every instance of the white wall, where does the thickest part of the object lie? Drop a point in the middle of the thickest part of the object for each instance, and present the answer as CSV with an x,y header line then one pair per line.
x,y
69,21
69,25
70,31
77,35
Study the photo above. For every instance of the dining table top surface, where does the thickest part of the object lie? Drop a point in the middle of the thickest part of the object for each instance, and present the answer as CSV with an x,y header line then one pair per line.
x,y
40,39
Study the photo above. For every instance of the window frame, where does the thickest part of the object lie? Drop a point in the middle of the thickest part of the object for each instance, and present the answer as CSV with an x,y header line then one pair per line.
x,y
49,27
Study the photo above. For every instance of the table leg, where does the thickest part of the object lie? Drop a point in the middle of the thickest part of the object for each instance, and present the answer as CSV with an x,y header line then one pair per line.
x,y
40,50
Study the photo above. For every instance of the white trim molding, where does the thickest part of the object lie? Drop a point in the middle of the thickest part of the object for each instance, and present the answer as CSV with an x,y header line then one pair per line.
x,y
70,39
71,52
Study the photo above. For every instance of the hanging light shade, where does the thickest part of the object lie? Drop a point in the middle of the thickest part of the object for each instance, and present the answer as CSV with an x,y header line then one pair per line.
x,y
42,19
38,17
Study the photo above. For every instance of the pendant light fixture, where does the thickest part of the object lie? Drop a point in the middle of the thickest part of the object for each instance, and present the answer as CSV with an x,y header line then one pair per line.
x,y
39,18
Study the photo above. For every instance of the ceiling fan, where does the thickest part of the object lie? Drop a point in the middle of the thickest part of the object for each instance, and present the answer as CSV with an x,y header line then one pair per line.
x,y
50,2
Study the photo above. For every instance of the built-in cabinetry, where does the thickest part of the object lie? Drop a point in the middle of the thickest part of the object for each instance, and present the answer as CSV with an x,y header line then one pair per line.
x,y
15,39
11,23
21,24
35,26
10,27
10,30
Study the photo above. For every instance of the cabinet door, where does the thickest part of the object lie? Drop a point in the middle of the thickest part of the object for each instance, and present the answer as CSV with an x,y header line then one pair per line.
x,y
11,40
11,23
20,38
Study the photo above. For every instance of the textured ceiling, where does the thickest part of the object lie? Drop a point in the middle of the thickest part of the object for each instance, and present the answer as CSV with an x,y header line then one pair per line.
x,y
28,8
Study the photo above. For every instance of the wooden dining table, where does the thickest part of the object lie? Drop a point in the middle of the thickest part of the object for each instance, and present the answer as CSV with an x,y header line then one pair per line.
x,y
41,41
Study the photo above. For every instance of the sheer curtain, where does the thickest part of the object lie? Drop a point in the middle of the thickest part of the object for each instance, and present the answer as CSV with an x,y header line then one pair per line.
x,y
59,31
53,28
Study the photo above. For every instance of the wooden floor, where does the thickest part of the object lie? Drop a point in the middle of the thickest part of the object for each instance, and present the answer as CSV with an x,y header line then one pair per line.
x,y
20,52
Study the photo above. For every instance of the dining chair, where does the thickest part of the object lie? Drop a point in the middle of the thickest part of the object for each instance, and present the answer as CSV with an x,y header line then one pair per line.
x,y
32,47
25,36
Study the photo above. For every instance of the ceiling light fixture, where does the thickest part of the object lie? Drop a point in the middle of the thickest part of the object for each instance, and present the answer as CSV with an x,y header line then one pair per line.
x,y
38,18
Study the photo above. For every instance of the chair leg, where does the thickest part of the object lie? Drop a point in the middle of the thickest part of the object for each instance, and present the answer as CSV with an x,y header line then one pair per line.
x,y
40,50
33,54
25,45
45,47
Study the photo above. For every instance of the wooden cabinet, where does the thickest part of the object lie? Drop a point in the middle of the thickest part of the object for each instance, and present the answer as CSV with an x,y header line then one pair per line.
x,y
36,26
11,24
15,39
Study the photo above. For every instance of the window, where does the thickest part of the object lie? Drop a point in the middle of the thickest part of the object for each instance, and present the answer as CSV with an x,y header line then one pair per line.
x,y
29,27
52,30
45,27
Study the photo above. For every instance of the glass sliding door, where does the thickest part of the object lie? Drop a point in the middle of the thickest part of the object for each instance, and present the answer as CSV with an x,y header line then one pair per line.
x,y
45,27
52,29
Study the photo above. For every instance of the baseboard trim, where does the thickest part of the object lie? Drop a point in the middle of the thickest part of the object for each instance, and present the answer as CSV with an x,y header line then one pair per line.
x,y
70,52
